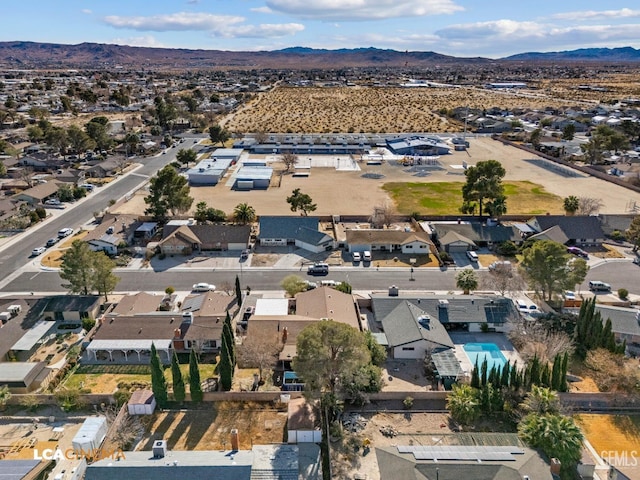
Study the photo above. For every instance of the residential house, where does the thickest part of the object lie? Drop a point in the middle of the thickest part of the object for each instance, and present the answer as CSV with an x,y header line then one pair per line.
x,y
135,304
22,328
38,194
580,230
302,231
505,461
24,377
68,308
416,243
183,239
106,168
209,171
625,324
113,231
459,237
262,461
611,223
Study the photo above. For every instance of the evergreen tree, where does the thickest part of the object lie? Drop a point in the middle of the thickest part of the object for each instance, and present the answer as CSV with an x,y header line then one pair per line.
x,y
238,292
225,366
514,381
475,376
231,342
555,373
178,381
194,378
545,375
158,382
506,372
483,373
563,373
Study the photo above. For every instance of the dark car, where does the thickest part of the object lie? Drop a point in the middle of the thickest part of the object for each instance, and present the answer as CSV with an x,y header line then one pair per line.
x,y
577,251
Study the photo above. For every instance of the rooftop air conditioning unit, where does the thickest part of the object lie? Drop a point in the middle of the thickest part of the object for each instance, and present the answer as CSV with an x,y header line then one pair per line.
x,y
159,449
443,303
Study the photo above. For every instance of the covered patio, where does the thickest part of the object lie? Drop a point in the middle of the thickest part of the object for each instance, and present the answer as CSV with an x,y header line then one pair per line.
x,y
127,351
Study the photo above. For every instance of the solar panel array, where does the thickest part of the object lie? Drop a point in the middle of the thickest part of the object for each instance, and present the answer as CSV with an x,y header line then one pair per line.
x,y
457,452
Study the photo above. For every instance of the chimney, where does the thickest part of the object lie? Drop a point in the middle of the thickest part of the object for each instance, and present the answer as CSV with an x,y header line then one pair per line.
x,y
177,333
234,439
555,466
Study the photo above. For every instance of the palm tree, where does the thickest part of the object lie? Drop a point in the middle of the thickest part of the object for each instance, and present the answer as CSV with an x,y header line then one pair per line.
x,y
498,206
463,403
467,280
557,435
571,205
244,213
541,400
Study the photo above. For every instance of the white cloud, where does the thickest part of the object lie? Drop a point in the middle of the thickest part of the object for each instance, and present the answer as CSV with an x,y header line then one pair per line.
x,y
225,26
193,2
345,10
142,41
181,21
265,30
597,15
86,11
264,9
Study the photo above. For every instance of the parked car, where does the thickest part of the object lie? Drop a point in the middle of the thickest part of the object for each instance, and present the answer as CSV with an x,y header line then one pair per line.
x,y
318,269
52,201
357,257
310,285
52,241
569,295
244,254
577,251
597,286
88,187
636,260
501,265
203,287
65,232
328,283
473,256
366,256
37,251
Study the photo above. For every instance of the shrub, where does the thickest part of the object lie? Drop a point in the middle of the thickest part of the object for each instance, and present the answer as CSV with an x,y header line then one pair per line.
x,y
88,323
623,293
508,249
408,403
617,235
169,290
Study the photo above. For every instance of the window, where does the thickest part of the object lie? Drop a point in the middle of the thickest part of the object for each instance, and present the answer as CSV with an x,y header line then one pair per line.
x,y
410,349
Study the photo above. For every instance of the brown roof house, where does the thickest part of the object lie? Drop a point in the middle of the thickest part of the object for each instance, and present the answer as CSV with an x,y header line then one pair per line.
x,y
417,243
38,194
188,238
113,231
127,339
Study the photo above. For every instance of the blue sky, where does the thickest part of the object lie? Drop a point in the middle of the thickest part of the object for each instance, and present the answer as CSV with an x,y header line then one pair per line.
x,y
455,27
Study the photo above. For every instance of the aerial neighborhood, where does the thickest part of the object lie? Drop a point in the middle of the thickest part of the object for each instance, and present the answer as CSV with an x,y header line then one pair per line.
x,y
219,273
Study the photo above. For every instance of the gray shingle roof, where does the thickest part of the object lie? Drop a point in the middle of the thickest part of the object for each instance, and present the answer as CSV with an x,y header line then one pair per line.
x,y
310,236
408,323
285,226
478,232
574,227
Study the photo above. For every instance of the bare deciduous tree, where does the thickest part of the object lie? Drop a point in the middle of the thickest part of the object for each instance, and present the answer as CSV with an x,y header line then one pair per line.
x,y
289,159
259,353
261,136
589,206
533,339
503,279
128,430
227,287
382,215
26,175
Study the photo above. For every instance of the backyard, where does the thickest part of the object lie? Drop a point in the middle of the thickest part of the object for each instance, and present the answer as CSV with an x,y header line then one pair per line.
x,y
209,428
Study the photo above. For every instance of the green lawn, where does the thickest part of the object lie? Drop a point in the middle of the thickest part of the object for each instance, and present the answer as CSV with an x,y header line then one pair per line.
x,y
445,198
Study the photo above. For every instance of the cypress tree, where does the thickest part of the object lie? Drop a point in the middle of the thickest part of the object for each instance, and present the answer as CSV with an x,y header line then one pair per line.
x,y
483,372
534,376
158,382
506,372
496,377
545,375
178,381
514,381
238,292
225,366
475,376
194,378
231,342
563,373
555,373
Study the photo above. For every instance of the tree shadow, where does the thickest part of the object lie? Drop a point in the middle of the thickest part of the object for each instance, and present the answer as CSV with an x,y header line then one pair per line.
x,y
627,424
157,434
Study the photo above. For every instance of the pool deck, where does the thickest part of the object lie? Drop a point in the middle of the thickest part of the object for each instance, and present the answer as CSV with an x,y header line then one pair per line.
x,y
503,343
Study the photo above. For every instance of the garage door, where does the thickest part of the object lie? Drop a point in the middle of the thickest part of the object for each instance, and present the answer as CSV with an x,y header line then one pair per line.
x,y
458,248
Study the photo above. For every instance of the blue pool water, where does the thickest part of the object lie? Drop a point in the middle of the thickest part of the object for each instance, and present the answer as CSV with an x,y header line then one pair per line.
x,y
480,351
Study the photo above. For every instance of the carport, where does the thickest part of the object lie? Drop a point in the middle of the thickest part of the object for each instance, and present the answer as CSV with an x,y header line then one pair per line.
x,y
133,351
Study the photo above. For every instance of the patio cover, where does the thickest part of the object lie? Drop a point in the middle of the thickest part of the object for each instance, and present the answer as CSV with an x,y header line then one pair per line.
x,y
128,344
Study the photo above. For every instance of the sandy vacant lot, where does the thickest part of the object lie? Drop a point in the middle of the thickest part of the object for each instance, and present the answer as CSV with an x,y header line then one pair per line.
x,y
351,193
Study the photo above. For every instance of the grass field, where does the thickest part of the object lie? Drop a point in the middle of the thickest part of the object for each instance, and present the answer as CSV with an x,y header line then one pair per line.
x,y
445,198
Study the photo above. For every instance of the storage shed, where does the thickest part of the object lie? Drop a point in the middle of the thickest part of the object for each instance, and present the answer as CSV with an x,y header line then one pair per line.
x,y
208,172
142,402
303,424
90,436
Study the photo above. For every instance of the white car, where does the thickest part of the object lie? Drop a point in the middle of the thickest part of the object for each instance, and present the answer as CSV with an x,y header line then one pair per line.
x,y
473,256
65,232
366,256
37,251
356,256
203,287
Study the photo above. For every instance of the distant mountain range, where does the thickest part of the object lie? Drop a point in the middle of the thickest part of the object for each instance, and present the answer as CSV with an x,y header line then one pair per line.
x,y
94,55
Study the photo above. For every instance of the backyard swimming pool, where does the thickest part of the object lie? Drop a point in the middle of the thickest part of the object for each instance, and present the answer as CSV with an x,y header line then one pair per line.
x,y
480,351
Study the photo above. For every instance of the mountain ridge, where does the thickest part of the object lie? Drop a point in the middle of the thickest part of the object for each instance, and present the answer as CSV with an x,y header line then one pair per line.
x,y
25,54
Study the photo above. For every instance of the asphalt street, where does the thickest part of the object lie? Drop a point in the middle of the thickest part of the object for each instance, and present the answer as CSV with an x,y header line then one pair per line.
x,y
17,254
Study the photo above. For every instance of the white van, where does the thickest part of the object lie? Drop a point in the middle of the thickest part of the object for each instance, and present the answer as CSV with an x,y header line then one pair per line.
x,y
473,256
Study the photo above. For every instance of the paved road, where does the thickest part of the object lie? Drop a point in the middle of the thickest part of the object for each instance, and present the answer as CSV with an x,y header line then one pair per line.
x,y
618,274
17,254
257,279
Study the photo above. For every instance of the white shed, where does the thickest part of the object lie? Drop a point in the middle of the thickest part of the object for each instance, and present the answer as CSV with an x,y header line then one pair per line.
x,y
142,402
303,422
90,436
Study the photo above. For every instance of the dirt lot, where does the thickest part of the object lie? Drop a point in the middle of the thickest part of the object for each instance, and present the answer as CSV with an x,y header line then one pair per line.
x,y
209,429
351,193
